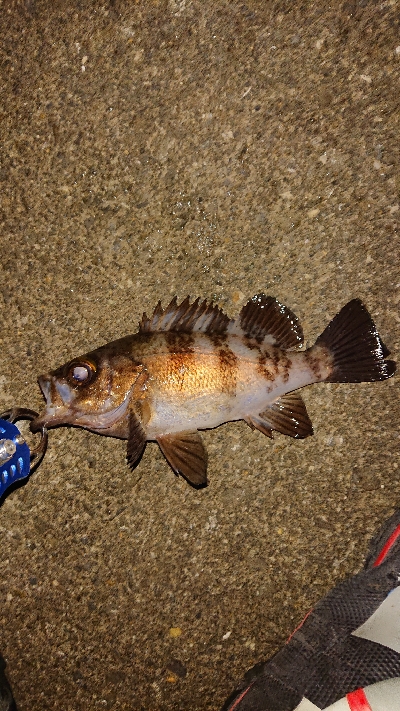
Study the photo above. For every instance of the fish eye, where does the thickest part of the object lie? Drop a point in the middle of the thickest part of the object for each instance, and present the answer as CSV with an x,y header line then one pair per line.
x,y
81,373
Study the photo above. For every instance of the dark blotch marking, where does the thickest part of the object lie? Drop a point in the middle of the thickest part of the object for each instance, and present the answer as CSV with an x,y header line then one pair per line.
x,y
228,363
218,340
179,342
285,366
314,363
274,363
259,338
262,367
267,365
251,345
228,368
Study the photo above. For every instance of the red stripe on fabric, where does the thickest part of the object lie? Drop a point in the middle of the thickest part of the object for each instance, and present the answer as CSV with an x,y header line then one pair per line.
x,y
358,701
242,695
298,626
388,545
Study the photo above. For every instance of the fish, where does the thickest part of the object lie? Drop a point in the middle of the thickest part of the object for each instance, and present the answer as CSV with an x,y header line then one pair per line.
x,y
190,367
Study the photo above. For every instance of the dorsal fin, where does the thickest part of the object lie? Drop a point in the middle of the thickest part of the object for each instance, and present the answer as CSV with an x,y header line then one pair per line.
x,y
265,319
186,318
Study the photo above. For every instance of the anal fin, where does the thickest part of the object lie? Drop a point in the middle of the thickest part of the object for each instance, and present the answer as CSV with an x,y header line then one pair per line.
x,y
287,415
186,454
136,439
256,422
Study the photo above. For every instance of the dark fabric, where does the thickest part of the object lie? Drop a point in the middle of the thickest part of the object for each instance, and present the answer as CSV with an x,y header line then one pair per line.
x,y
7,702
323,661
353,664
265,692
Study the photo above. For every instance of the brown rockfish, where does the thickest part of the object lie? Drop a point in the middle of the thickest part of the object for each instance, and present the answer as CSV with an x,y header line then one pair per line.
x,y
190,367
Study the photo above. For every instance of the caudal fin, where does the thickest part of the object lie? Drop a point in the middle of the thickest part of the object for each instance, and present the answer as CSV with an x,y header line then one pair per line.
x,y
358,352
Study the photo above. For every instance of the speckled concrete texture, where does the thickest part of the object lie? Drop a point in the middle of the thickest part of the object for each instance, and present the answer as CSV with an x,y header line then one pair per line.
x,y
216,149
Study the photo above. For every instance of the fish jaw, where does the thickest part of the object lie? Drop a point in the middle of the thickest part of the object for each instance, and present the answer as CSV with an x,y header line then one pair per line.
x,y
57,412
60,410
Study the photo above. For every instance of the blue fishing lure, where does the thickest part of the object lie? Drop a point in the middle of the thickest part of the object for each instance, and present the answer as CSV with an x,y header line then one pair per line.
x,y
17,459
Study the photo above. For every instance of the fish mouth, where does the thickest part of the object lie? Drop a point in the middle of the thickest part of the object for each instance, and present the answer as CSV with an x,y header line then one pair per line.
x,y
53,415
58,413
44,382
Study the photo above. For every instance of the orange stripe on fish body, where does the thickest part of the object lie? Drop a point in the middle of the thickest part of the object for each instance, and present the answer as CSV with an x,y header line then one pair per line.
x,y
205,367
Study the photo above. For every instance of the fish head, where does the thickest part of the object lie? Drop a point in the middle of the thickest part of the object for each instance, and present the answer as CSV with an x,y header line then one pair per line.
x,y
91,391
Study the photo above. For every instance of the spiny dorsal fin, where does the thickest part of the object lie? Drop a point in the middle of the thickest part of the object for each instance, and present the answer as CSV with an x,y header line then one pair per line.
x,y
186,318
265,319
187,455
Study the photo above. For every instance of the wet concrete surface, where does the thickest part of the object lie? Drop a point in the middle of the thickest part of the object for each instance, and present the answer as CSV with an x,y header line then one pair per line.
x,y
216,149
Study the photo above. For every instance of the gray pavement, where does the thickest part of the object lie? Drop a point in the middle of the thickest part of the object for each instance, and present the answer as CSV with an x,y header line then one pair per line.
x,y
213,149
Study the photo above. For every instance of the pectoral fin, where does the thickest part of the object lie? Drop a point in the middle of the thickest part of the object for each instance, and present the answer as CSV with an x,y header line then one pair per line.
x,y
136,439
287,415
186,454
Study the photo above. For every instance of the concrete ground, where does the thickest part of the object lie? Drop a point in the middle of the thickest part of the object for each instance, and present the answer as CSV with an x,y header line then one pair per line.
x,y
215,149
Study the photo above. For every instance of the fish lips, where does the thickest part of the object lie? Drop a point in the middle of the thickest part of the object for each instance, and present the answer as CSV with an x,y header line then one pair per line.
x,y
54,414
61,411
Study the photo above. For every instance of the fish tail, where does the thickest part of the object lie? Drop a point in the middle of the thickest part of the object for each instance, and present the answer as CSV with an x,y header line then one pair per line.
x,y
357,350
